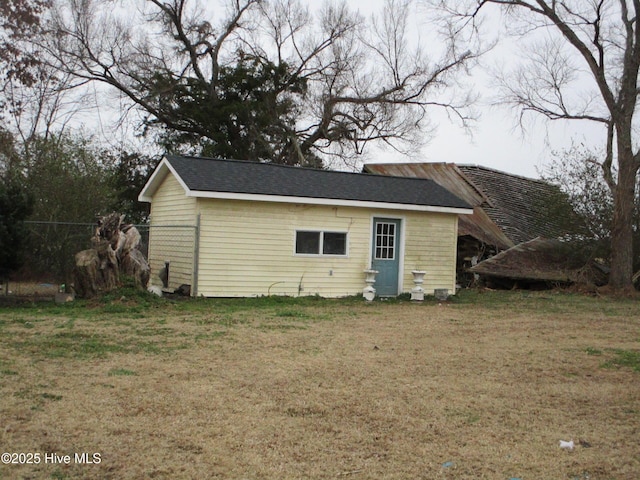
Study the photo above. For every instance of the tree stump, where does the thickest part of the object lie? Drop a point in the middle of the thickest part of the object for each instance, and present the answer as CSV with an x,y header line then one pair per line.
x,y
134,265
114,256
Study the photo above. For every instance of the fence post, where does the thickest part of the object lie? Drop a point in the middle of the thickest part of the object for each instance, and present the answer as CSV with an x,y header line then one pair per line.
x,y
196,256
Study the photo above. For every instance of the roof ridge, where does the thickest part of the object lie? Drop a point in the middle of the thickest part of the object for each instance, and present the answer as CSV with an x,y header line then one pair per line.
x,y
477,188
495,170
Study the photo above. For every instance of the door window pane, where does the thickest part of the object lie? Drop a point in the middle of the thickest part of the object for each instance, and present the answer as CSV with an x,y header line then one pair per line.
x,y
385,241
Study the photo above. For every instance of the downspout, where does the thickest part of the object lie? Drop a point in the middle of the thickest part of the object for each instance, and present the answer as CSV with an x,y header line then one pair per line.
x,y
196,257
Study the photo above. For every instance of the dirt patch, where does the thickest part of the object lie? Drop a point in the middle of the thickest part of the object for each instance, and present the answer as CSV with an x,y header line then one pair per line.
x,y
482,388
28,289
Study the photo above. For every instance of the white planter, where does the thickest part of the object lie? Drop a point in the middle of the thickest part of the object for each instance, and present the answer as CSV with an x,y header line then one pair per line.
x,y
417,292
369,292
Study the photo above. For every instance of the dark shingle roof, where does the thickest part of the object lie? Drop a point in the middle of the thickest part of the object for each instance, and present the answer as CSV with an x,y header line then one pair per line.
x,y
236,176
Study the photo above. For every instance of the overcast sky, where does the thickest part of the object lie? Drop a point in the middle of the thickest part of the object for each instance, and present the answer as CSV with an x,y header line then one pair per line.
x,y
497,141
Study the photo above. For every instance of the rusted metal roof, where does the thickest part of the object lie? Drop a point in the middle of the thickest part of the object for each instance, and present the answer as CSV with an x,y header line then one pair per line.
x,y
508,209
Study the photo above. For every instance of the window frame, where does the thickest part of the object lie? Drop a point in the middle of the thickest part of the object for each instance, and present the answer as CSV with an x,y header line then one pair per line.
x,y
321,234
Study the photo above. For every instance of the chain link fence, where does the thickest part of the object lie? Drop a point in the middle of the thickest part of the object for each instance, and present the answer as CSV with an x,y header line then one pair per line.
x,y
51,248
173,251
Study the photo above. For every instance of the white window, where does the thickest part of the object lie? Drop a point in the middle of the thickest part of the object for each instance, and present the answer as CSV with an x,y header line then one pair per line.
x,y
309,242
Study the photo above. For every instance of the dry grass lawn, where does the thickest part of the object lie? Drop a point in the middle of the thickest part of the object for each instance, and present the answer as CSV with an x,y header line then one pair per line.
x,y
482,387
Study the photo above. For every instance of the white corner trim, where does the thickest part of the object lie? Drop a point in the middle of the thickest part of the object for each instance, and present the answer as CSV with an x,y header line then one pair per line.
x,y
161,171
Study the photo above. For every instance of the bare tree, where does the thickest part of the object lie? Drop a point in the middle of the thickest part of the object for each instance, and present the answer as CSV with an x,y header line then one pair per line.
x,y
45,106
327,84
578,40
19,20
36,99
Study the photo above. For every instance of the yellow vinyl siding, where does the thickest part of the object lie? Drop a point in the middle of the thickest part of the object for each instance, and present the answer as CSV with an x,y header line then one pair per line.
x,y
247,249
430,245
170,207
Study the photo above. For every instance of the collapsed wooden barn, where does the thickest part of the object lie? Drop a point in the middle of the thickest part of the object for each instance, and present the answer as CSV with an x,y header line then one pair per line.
x,y
508,211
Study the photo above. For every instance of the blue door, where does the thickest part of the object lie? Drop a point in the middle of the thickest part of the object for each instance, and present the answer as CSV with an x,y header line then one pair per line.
x,y
385,255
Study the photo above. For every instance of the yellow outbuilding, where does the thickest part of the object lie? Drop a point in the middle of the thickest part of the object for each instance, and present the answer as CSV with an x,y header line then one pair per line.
x,y
265,229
